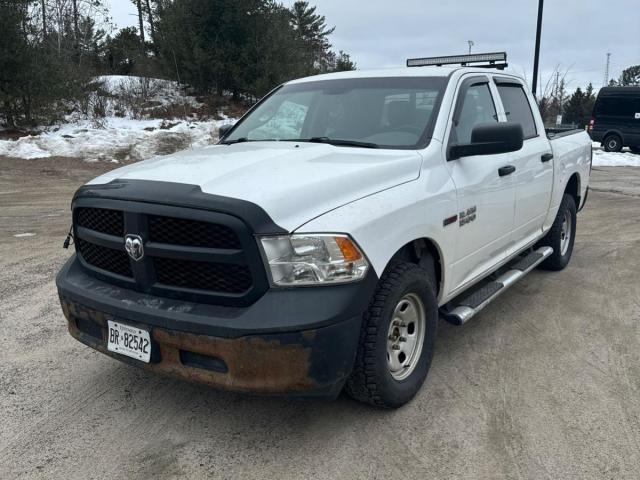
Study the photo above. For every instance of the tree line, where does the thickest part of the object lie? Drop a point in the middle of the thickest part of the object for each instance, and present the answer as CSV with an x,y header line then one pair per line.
x,y
576,108
52,50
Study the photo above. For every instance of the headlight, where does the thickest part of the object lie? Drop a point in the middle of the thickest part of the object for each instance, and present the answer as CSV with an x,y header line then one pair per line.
x,y
313,259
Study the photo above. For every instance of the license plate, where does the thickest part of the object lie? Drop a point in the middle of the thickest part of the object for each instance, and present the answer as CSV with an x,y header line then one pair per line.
x,y
130,341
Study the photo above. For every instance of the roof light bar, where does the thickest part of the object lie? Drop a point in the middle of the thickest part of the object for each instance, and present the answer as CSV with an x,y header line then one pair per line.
x,y
490,60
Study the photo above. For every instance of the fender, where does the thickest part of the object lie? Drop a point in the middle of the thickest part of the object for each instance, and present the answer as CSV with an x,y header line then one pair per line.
x,y
383,223
614,131
571,161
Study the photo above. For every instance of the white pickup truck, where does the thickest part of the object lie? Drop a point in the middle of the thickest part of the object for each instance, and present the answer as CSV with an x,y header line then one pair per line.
x,y
316,246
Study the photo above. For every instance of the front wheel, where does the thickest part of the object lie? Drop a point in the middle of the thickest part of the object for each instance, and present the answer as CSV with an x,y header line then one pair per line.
x,y
561,236
397,338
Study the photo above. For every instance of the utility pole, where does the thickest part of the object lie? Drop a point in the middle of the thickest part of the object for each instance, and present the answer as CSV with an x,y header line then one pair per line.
x,y
471,44
606,70
536,58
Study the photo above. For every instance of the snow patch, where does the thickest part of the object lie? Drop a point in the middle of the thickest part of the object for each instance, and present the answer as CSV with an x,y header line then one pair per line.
x,y
25,147
21,235
116,140
614,159
165,91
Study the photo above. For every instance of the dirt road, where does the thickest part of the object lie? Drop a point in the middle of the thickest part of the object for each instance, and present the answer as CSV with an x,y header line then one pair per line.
x,y
545,383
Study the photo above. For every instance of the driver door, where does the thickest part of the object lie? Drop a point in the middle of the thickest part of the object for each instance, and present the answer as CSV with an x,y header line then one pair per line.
x,y
486,195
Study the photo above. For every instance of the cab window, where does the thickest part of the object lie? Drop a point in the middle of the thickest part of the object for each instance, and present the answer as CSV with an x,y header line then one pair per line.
x,y
478,107
517,108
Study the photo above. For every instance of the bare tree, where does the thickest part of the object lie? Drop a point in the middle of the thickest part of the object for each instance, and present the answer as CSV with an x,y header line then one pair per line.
x,y
44,19
141,21
551,101
151,24
76,30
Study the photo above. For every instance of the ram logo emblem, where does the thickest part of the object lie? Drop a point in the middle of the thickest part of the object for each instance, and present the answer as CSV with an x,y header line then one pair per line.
x,y
134,247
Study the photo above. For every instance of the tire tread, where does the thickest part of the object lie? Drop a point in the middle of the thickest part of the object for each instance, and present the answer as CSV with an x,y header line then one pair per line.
x,y
362,384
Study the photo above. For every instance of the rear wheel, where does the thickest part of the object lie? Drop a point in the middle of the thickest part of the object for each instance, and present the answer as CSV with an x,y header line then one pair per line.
x,y
612,143
561,236
397,338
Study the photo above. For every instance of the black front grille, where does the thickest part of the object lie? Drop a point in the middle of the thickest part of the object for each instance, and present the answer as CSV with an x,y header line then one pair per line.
x,y
111,260
101,220
219,277
228,268
192,233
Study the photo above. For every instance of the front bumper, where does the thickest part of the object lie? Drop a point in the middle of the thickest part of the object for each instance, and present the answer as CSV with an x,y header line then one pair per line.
x,y
291,341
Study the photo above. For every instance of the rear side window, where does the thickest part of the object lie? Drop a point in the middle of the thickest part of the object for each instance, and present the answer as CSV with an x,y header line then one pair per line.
x,y
617,106
517,108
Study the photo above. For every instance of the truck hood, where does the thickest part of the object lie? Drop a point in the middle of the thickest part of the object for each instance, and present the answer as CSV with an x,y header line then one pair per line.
x,y
292,182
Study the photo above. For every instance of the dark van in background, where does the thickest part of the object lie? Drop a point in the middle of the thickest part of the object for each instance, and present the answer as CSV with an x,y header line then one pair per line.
x,y
616,119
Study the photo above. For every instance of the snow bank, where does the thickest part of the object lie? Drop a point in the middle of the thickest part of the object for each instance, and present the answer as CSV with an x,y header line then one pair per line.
x,y
611,159
164,92
118,139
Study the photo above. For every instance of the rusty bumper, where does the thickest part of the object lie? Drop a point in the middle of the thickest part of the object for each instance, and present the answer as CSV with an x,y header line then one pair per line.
x,y
311,362
299,342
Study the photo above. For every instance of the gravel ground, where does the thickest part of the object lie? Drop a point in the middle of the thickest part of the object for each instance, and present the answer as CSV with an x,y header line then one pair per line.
x,y
544,383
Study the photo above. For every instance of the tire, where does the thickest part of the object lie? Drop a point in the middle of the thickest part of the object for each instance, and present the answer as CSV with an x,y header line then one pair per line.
x,y
612,143
635,150
400,291
556,237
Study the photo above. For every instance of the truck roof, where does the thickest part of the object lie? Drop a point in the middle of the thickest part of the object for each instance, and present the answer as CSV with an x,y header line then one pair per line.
x,y
443,71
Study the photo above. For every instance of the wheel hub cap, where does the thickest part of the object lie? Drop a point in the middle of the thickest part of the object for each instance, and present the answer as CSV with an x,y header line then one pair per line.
x,y
565,234
405,337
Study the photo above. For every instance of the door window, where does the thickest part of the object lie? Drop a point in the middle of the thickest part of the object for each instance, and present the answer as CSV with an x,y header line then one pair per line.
x,y
477,108
517,108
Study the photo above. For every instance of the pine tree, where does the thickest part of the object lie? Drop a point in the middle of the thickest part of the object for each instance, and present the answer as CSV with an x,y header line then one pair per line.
x,y
313,32
579,107
589,103
630,76
573,111
344,63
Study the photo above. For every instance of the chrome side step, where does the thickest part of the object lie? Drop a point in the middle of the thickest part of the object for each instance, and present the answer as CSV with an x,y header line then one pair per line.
x,y
467,306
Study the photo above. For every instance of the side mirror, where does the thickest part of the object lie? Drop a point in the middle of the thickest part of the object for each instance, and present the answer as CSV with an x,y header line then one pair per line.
x,y
489,139
224,129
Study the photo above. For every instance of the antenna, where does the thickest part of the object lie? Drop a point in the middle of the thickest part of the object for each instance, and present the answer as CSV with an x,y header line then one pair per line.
x,y
606,70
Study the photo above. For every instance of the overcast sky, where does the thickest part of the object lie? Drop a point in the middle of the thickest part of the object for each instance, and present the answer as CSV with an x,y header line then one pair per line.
x,y
577,34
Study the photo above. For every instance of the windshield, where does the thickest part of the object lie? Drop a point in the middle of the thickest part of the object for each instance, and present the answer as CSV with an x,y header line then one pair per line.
x,y
373,112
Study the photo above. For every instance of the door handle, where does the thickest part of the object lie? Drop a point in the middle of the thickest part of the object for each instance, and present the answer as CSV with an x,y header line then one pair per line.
x,y
508,170
546,157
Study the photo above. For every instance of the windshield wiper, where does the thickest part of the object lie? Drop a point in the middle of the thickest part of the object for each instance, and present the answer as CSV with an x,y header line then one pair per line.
x,y
340,143
327,140
245,139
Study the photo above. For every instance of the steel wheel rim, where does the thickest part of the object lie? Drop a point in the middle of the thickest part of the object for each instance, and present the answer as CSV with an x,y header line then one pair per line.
x,y
613,144
565,234
405,338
